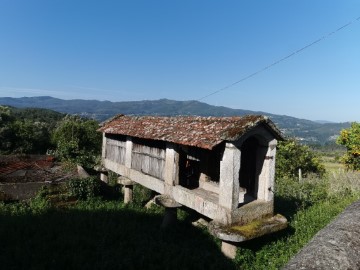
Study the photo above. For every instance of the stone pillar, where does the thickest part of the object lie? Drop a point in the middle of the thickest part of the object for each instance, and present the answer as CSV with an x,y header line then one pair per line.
x,y
128,188
229,177
171,207
171,169
128,194
267,176
128,155
170,217
104,177
103,172
103,149
228,249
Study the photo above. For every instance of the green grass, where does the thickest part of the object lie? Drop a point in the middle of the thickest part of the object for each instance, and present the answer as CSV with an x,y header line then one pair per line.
x,y
106,234
100,234
274,251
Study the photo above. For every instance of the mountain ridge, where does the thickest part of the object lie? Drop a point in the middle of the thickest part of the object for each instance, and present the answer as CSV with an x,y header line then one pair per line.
x,y
305,130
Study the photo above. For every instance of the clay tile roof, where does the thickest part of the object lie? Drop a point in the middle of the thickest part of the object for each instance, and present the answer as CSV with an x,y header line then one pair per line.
x,y
203,132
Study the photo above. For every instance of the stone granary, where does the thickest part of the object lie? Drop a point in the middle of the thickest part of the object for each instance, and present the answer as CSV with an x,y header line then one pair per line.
x,y
222,167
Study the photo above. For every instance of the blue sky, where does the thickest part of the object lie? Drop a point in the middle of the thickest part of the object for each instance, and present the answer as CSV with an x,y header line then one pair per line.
x,y
185,50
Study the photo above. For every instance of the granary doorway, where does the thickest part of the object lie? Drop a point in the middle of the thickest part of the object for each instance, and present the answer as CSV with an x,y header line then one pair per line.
x,y
250,168
189,168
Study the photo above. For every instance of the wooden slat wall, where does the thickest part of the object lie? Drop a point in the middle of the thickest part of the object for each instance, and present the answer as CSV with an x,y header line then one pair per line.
x,y
148,160
115,151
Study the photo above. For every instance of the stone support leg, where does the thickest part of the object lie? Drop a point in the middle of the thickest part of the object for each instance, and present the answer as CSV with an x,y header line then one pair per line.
x,y
170,217
228,249
128,194
104,177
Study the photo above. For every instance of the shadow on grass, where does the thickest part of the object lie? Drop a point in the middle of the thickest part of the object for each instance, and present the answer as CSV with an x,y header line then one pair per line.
x,y
287,207
103,239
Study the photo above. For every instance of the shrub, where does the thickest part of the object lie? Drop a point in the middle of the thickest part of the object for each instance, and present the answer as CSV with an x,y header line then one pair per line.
x,y
84,188
78,141
305,193
350,138
292,156
40,202
142,195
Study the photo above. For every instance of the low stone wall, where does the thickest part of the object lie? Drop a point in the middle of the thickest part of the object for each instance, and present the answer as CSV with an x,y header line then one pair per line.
x,y
337,246
20,191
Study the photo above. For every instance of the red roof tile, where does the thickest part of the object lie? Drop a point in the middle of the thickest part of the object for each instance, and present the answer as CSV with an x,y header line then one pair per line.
x,y
203,132
26,163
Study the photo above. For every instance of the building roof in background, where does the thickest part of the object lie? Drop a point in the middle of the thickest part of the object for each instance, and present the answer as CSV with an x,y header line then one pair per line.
x,y
203,132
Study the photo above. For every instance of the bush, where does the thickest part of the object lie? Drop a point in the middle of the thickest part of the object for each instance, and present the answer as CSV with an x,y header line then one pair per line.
x,y
292,156
350,138
77,140
304,193
40,203
84,188
142,195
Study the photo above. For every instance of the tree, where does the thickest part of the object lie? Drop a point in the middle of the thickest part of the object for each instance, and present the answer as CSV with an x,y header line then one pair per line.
x,y
350,138
77,140
6,130
292,156
30,137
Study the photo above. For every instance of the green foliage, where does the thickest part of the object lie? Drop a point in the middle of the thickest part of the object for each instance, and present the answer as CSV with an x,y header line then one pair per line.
x,y
305,193
84,188
350,138
40,203
110,228
26,131
292,156
78,141
142,195
274,251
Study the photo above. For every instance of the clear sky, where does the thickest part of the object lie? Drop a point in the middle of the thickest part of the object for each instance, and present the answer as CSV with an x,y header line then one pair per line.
x,y
184,50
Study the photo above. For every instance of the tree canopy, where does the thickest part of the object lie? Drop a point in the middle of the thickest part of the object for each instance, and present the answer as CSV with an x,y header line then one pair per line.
x,y
292,156
77,140
26,131
350,138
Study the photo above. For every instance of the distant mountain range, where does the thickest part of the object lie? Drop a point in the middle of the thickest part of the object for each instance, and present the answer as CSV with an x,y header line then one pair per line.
x,y
306,131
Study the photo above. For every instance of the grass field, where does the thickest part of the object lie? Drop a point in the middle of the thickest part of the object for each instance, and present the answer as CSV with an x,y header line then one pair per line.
x,y
331,164
98,233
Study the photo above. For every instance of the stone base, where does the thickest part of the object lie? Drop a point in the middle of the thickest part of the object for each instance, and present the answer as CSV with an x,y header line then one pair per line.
x,y
239,233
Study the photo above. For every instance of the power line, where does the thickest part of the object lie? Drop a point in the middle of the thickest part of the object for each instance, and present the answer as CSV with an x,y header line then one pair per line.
x,y
275,63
